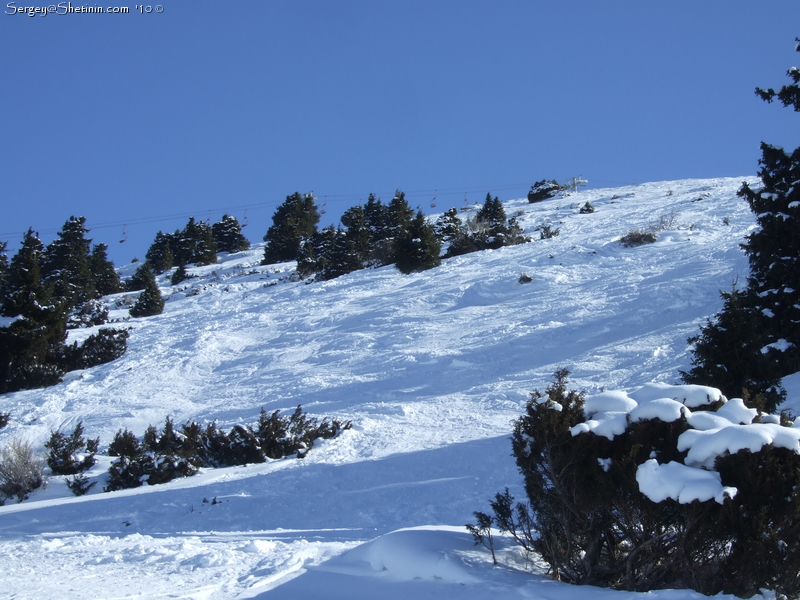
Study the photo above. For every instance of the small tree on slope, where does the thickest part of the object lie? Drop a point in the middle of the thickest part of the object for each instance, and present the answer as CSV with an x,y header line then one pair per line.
x,y
150,301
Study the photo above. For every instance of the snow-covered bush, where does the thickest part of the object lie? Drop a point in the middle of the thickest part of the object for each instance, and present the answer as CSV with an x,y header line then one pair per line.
x,y
165,455
102,347
637,237
542,190
662,487
21,470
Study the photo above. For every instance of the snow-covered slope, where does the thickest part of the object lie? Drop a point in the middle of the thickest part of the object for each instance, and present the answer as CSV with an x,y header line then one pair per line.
x,y
430,367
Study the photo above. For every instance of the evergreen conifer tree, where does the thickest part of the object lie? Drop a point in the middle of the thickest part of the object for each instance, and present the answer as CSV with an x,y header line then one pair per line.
x,y
358,233
196,245
343,257
294,220
150,301
66,264
228,235
159,255
105,276
376,218
416,248
32,346
24,293
764,344
3,266
492,211
138,280
180,275
448,225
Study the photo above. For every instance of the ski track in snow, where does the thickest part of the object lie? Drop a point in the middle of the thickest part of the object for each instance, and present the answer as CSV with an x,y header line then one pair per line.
x,y
430,367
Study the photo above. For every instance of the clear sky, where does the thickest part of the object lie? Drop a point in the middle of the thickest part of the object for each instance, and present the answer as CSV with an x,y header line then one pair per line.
x,y
142,120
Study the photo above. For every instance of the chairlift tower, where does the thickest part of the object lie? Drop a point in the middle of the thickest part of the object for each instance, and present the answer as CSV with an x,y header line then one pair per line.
x,y
576,182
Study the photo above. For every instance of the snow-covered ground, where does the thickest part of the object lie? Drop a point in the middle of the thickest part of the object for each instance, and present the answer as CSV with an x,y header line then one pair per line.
x,y
431,368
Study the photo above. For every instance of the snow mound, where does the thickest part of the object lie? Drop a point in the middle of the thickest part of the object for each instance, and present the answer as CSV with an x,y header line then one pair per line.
x,y
420,553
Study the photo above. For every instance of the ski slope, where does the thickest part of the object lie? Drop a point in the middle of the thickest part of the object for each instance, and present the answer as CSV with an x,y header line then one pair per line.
x,y
431,368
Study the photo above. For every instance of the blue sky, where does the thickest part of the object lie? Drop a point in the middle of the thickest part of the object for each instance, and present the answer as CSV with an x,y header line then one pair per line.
x,y
142,120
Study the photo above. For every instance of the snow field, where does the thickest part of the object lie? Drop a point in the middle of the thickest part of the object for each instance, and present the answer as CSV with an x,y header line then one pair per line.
x,y
431,368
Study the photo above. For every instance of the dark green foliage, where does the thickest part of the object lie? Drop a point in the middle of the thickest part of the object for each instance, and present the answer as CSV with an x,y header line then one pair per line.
x,y
727,352
99,348
24,292
294,221
548,232
79,485
759,328
3,265
228,235
587,209
88,314
315,252
180,275
637,237
167,454
159,255
482,532
764,522
358,235
4,418
544,189
32,346
132,465
66,264
789,95
488,229
194,245
448,226
167,457
416,247
104,275
138,281
150,301
492,211
64,450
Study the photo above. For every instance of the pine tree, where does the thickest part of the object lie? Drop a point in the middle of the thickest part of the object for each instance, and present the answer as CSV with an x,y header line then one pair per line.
x,y
150,301
228,235
358,233
492,211
376,219
728,353
294,221
159,255
416,248
768,345
316,252
343,257
64,450
180,275
32,346
105,276
3,266
139,279
196,245
66,264
24,293
399,214
448,225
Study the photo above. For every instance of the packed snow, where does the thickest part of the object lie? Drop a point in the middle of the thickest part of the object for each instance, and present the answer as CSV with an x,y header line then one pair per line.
x,y
431,368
